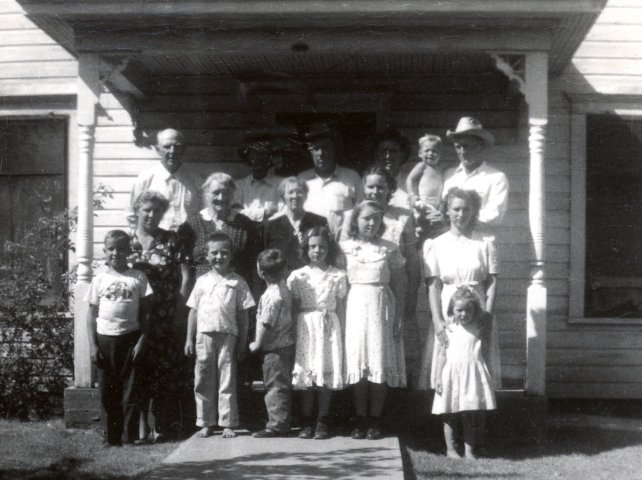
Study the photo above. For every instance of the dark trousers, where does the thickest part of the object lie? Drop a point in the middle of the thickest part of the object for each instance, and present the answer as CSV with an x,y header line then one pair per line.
x,y
118,384
277,379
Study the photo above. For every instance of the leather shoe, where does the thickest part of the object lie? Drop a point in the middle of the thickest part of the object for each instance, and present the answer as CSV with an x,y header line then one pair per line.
x,y
267,433
306,432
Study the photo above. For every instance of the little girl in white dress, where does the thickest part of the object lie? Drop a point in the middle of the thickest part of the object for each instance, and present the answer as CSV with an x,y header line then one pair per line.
x,y
318,290
463,384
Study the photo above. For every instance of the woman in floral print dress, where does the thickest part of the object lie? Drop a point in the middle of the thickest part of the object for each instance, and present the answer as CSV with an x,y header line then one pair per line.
x,y
160,255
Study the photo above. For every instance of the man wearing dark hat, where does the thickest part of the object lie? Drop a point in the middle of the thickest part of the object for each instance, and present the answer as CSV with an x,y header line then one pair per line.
x,y
391,152
178,184
332,189
473,173
257,194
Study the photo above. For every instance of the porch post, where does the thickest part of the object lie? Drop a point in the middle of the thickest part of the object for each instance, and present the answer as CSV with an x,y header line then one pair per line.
x,y
88,91
536,84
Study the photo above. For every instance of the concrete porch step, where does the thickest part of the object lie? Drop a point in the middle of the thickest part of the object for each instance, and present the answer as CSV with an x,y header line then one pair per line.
x,y
290,458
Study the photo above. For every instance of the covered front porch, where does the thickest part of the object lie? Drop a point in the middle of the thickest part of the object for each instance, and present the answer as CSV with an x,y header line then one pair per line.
x,y
217,70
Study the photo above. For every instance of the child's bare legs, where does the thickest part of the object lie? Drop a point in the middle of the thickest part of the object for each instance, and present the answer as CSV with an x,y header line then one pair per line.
x,y
470,421
143,423
450,427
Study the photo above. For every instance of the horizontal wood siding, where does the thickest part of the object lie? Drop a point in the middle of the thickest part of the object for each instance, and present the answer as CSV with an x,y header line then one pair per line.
x,y
608,61
591,361
31,62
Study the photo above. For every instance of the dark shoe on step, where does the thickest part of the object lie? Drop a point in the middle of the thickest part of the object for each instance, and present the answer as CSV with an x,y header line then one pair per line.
x,y
321,432
374,433
306,432
267,433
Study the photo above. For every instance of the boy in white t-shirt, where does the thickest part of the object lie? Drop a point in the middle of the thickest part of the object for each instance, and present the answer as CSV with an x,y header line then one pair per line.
x,y
118,309
216,334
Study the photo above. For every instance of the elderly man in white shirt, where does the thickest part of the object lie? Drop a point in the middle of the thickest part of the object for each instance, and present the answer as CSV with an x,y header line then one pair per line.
x,y
257,195
332,189
178,184
473,173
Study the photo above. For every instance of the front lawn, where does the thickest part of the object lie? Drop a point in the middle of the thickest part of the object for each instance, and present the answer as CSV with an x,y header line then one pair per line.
x,y
48,451
571,453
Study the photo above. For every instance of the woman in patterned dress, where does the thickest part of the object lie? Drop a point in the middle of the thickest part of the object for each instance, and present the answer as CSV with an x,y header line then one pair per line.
x,y
159,254
373,317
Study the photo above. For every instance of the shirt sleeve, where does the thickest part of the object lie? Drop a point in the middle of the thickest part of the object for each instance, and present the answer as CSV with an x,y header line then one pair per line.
x,y
408,235
395,259
341,285
269,310
493,257
93,294
195,296
292,283
140,185
431,266
244,297
145,288
494,210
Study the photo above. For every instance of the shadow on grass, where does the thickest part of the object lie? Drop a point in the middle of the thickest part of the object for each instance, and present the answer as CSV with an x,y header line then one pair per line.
x,y
336,464
65,469
560,441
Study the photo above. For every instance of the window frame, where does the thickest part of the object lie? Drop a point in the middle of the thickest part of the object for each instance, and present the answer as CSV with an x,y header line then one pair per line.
x,y
581,107
56,107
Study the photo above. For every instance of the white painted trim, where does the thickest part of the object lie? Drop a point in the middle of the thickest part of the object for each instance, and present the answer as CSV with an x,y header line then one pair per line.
x,y
581,107
305,7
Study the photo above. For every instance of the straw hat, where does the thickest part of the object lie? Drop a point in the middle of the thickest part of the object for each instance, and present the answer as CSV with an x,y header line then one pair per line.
x,y
471,126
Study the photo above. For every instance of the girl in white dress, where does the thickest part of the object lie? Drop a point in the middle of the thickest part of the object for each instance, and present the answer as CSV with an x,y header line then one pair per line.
x,y
319,290
463,390
374,312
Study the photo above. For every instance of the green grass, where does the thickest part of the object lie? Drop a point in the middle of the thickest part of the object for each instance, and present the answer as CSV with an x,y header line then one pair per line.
x,y
48,451
569,454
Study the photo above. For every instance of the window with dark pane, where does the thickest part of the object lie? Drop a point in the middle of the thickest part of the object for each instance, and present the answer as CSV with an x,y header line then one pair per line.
x,y
614,217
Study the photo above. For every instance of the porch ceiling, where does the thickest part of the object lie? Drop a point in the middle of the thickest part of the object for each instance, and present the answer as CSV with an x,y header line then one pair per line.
x,y
245,37
301,66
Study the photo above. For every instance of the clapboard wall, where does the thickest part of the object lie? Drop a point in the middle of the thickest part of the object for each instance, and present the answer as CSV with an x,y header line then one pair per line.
x,y
584,360
31,62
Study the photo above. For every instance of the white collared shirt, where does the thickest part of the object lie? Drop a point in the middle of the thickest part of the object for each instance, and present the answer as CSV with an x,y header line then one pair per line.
x,y
489,183
339,192
181,188
257,196
207,216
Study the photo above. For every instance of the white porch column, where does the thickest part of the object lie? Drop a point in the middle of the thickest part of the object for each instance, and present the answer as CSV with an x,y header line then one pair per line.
x,y
88,91
536,76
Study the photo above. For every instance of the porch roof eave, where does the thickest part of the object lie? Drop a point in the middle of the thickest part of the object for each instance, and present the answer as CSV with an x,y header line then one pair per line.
x,y
103,26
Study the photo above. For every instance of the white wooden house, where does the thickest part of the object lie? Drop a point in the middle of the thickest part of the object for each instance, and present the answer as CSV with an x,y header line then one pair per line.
x,y
556,81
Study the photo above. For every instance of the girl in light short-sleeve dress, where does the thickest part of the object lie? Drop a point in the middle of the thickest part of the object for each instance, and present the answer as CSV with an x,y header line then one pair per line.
x,y
319,290
373,342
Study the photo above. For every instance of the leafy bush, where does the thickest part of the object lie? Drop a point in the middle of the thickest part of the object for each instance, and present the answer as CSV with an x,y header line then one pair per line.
x,y
36,329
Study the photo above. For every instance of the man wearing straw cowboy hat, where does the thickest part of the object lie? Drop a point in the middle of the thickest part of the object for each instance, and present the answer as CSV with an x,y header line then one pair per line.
x,y
473,173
